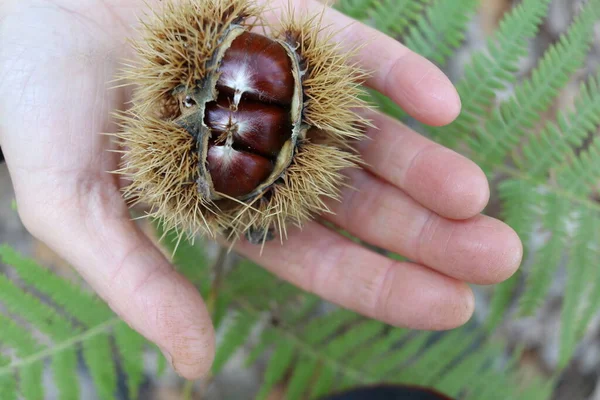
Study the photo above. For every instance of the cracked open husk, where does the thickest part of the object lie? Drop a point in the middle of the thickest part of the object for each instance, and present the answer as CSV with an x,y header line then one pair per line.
x,y
167,137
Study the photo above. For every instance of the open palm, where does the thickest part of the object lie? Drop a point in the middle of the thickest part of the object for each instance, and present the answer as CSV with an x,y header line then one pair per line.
x,y
57,58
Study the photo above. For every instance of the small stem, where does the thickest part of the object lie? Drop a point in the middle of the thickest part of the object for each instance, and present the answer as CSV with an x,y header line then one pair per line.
x,y
188,390
218,268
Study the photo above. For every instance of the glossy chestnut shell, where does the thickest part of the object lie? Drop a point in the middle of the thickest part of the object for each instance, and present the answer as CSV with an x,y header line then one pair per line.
x,y
244,123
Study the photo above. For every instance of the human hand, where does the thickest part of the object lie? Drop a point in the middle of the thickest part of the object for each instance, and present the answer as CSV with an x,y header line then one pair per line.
x,y
415,198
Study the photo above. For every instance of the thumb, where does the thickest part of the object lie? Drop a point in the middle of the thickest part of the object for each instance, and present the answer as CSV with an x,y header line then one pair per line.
x,y
93,232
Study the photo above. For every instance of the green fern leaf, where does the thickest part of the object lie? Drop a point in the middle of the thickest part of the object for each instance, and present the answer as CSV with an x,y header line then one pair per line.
x,y
30,381
448,348
501,300
549,256
97,355
301,377
130,345
87,308
64,368
316,331
40,315
492,68
508,124
434,34
490,385
72,318
307,304
467,370
344,344
357,9
277,367
520,200
234,337
441,29
377,349
392,17
557,142
30,377
267,338
591,307
580,175
8,384
189,258
324,382
583,280
392,361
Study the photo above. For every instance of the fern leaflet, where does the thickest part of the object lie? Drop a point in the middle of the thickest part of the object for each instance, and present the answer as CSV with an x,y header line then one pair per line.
x,y
357,9
547,261
582,281
491,68
394,16
556,142
437,32
508,124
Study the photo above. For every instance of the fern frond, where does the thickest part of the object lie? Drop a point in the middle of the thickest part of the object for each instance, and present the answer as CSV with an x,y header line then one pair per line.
x,y
583,280
501,300
489,386
581,175
434,33
520,209
235,335
558,141
98,358
72,320
429,369
508,124
468,370
20,339
357,9
492,68
277,367
41,316
392,17
301,377
549,256
64,368
441,29
86,307
8,383
130,346
339,349
391,361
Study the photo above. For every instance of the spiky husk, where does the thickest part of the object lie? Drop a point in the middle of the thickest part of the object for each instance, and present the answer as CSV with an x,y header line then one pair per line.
x,y
176,45
332,82
160,157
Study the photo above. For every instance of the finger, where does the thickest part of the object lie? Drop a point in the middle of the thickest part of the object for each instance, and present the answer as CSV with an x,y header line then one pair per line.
x,y
438,178
91,230
479,250
399,293
410,80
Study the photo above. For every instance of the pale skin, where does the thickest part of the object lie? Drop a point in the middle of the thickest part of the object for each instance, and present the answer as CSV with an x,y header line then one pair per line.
x,y
415,198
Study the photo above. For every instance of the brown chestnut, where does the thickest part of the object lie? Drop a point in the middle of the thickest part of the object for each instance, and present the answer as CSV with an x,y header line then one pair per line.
x,y
257,127
257,68
236,173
